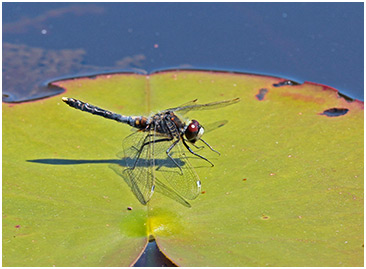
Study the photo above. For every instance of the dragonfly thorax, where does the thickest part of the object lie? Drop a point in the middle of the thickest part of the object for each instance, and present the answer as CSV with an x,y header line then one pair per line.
x,y
193,131
166,123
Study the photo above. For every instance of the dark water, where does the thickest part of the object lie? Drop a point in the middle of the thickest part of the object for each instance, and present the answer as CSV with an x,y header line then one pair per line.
x,y
318,42
153,257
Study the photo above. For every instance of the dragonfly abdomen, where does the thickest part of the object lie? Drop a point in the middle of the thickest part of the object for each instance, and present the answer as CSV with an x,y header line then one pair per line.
x,y
77,104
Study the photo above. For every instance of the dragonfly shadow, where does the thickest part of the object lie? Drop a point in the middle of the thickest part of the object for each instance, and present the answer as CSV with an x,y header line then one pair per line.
x,y
74,161
121,164
126,162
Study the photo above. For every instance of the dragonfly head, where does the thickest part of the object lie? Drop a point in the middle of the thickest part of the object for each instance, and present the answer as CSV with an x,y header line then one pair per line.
x,y
193,131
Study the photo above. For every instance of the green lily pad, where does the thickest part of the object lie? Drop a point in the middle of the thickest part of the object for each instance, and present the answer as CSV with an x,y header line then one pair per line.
x,y
287,189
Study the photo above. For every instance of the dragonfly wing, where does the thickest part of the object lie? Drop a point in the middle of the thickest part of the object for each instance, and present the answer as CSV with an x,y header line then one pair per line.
x,y
214,105
214,125
188,183
169,192
133,143
178,173
146,157
121,171
190,103
161,143
139,173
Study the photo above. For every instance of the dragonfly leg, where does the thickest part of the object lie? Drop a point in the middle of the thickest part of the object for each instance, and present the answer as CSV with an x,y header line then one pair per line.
x,y
194,153
208,145
147,143
167,152
197,147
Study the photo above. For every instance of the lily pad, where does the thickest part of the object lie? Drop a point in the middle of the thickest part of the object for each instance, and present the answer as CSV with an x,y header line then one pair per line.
x,y
287,189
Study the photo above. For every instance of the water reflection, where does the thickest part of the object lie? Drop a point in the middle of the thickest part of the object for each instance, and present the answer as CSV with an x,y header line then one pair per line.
x,y
25,23
26,68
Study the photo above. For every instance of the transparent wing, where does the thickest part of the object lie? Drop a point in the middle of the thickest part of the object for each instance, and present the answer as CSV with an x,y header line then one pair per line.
x,y
193,106
183,179
139,174
160,187
178,173
143,152
193,102
169,192
214,125
147,164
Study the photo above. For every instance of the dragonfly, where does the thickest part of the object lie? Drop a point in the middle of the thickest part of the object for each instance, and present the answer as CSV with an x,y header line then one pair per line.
x,y
161,143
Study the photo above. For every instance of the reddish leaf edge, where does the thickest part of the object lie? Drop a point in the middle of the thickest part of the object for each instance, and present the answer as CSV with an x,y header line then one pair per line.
x,y
280,82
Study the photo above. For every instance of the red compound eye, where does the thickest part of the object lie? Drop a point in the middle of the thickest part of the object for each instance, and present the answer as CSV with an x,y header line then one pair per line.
x,y
192,131
193,126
